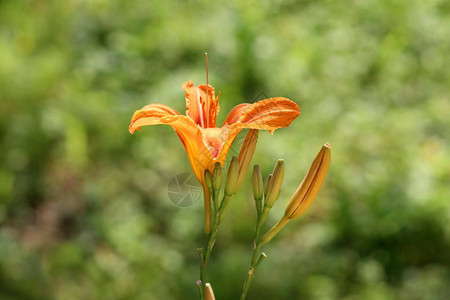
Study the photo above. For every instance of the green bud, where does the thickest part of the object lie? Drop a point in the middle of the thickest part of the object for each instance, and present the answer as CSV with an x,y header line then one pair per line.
x,y
258,187
266,185
209,180
233,173
274,186
217,178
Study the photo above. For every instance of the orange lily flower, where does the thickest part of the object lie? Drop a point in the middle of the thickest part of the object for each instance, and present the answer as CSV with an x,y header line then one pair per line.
x,y
205,143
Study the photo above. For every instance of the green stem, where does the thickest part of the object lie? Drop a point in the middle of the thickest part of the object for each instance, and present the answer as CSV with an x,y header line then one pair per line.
x,y
224,204
219,213
212,239
201,291
247,283
201,285
251,272
274,230
257,244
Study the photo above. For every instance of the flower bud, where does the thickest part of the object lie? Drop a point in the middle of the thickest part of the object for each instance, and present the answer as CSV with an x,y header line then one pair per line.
x,y
275,183
258,187
246,154
233,173
209,294
310,185
209,180
217,178
266,185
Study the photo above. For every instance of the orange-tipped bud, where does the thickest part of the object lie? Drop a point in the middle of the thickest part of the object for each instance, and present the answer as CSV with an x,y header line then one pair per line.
x,y
209,294
305,193
310,185
246,154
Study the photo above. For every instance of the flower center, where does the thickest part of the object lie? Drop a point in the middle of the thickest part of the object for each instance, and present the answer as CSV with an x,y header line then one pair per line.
x,y
214,139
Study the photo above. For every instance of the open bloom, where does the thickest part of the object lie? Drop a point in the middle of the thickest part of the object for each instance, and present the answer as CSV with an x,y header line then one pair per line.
x,y
205,143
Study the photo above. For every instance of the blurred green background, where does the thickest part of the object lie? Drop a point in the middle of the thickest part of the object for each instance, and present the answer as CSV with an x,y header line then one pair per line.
x,y
84,211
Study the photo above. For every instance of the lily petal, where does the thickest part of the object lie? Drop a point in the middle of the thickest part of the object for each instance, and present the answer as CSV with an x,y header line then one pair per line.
x,y
154,110
268,114
189,133
201,105
234,115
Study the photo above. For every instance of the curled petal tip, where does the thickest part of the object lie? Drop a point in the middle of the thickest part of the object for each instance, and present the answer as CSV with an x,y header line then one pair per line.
x,y
132,129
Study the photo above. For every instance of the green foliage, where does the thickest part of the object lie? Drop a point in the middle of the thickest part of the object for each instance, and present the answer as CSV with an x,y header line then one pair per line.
x,y
84,212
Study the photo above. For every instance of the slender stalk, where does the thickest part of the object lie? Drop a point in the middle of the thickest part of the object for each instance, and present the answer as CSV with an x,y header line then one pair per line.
x,y
201,291
212,238
206,252
224,204
200,283
217,220
274,230
257,244
251,272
